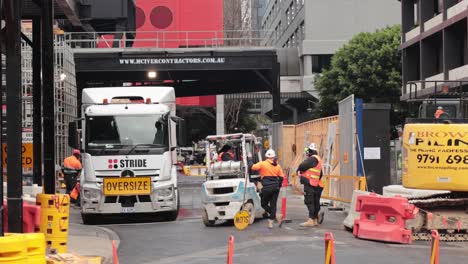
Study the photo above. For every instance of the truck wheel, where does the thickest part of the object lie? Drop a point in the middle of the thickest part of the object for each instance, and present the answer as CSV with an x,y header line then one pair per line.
x,y
249,207
206,221
89,219
172,216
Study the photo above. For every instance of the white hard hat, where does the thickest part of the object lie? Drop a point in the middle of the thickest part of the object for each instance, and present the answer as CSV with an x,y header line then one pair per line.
x,y
313,146
270,153
440,108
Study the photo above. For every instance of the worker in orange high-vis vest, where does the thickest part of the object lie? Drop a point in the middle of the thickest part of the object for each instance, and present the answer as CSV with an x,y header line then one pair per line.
x,y
311,177
271,175
71,171
225,153
440,111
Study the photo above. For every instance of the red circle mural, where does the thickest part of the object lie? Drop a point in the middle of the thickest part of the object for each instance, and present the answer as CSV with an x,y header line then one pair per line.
x,y
161,17
140,17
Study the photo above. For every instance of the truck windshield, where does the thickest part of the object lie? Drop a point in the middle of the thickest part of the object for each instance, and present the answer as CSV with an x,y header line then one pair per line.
x,y
124,132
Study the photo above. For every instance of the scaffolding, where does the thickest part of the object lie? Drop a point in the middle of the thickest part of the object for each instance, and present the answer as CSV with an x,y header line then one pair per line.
x,y
65,95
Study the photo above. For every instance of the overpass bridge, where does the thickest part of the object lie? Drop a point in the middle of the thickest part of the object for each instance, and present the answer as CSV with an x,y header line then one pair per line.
x,y
227,62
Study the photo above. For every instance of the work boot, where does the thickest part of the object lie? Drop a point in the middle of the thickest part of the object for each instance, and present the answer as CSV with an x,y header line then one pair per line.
x,y
321,215
309,223
270,223
279,219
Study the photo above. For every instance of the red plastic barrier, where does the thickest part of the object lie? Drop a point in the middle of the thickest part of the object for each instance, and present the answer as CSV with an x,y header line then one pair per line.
x,y
31,217
383,218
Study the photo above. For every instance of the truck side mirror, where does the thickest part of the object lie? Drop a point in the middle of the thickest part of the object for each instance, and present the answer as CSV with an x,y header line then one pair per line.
x,y
73,135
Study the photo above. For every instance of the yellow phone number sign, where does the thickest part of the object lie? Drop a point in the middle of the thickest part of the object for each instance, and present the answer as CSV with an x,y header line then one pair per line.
x,y
242,220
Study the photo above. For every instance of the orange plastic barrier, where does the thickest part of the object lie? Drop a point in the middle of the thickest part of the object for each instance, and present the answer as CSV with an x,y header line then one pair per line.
x,y
283,199
230,251
329,248
435,247
31,217
383,218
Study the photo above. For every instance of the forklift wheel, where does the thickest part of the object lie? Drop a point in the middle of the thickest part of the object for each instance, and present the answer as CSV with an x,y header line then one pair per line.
x,y
249,207
206,221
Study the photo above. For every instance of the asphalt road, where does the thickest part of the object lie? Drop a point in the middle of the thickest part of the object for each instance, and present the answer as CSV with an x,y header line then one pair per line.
x,y
187,240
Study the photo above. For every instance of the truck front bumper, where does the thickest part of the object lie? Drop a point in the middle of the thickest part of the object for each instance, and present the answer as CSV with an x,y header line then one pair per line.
x,y
163,198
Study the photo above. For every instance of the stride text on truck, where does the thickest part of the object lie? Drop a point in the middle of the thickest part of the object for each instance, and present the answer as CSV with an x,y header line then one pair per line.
x,y
128,151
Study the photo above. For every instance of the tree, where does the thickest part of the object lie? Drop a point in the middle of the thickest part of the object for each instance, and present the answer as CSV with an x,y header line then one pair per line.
x,y
236,116
238,23
368,66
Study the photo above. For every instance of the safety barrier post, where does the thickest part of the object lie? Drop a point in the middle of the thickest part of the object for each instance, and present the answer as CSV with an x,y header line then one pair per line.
x,y
329,248
230,251
55,211
435,247
114,253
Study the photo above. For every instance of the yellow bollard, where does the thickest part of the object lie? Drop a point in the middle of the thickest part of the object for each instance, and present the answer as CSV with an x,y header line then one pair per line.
x,y
13,249
55,211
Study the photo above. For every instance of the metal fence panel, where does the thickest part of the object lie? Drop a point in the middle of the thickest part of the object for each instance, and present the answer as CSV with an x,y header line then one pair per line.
x,y
347,136
275,132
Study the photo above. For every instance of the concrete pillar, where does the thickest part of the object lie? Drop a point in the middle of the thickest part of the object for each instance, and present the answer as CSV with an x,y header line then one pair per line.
x,y
307,65
220,114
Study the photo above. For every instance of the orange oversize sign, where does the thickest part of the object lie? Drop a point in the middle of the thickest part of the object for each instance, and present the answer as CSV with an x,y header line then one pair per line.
x,y
26,153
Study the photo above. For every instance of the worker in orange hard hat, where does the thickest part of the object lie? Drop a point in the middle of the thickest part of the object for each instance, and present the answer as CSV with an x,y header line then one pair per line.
x,y
439,112
71,171
271,175
311,177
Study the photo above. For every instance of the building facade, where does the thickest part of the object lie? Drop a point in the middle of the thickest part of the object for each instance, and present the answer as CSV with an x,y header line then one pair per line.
x,y
434,44
318,28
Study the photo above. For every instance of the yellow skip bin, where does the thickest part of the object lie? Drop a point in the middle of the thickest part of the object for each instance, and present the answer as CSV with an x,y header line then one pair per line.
x,y
127,186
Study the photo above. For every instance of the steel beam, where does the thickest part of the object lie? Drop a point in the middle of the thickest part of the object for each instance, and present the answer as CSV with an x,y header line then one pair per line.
x,y
275,92
37,107
47,11
1,131
14,129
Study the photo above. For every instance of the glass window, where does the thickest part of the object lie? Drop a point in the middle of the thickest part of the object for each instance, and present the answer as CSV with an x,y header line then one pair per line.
x,y
126,130
320,62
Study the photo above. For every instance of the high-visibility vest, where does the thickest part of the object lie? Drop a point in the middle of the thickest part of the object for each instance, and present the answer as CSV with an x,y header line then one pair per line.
x,y
438,113
220,156
313,174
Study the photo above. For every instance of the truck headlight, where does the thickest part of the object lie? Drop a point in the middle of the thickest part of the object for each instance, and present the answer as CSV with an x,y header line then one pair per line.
x,y
164,192
91,194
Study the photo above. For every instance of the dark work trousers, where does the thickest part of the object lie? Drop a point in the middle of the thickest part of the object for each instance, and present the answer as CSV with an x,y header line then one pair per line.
x,y
269,201
312,200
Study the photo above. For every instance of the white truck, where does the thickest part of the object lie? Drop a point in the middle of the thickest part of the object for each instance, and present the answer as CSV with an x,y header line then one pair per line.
x,y
128,145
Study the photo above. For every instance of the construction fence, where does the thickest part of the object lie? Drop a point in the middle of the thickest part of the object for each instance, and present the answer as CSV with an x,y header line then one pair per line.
x,y
325,133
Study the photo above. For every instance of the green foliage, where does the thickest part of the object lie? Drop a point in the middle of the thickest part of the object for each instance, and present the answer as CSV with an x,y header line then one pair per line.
x,y
369,66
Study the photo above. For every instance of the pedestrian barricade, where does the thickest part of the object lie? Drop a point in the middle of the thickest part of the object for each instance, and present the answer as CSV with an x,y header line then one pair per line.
x,y
329,248
13,249
35,247
195,170
383,218
31,217
55,210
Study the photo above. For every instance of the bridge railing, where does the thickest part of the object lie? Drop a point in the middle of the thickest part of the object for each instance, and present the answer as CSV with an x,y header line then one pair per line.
x,y
169,39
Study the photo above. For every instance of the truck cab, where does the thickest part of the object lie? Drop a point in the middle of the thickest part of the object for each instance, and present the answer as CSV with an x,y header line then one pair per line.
x,y
128,151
